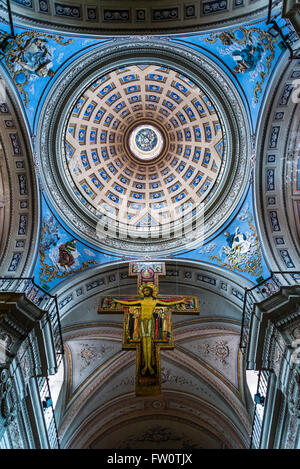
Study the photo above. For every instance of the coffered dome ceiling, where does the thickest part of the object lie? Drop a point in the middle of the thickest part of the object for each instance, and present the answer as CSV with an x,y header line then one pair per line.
x,y
144,145
136,153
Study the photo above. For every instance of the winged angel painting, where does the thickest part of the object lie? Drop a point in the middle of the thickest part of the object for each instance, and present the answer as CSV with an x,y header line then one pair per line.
x,y
59,254
30,56
241,251
253,51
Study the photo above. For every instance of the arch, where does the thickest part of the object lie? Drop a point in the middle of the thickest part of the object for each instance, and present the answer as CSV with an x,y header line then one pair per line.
x,y
107,397
184,274
194,415
97,370
19,196
277,199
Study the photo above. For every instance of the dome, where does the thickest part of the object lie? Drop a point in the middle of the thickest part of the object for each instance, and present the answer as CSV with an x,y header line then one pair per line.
x,y
144,149
143,146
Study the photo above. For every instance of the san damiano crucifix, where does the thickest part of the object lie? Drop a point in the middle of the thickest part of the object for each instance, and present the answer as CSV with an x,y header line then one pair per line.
x,y
147,323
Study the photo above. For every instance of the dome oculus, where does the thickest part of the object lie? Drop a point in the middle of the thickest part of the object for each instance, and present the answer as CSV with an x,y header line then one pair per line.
x,y
146,142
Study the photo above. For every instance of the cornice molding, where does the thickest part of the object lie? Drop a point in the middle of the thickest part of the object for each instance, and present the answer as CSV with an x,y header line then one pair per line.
x,y
238,12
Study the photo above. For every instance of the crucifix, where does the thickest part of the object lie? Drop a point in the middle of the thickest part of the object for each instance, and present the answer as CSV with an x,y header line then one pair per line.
x,y
147,325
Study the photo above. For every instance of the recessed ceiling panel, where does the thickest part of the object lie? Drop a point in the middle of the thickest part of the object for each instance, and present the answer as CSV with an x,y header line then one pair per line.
x,y
143,147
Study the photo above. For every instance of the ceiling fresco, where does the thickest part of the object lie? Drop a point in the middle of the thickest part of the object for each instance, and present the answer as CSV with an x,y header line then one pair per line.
x,y
238,247
249,54
124,99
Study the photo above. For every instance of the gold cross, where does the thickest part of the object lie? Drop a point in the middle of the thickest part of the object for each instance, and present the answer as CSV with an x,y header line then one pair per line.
x,y
147,323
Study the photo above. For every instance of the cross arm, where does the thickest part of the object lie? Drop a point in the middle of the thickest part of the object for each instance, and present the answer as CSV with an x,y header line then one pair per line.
x,y
189,304
128,303
170,303
113,305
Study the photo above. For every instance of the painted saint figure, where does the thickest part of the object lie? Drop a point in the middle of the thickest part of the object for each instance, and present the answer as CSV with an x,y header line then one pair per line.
x,y
247,58
67,254
148,303
147,326
34,57
237,243
133,323
51,234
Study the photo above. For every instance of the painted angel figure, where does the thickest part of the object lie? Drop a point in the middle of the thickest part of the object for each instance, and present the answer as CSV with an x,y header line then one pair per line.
x,y
34,57
238,247
65,255
248,58
237,242
51,236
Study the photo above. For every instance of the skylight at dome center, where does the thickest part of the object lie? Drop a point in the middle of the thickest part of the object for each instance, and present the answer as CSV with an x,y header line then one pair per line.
x,y
146,142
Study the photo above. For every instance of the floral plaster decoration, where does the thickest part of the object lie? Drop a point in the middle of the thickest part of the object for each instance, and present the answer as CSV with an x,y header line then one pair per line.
x,y
158,435
89,353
